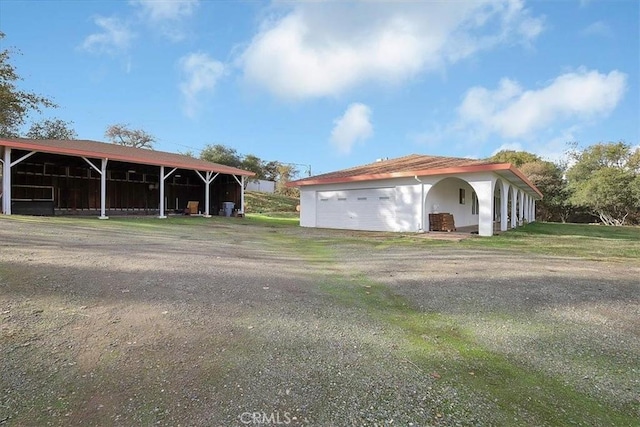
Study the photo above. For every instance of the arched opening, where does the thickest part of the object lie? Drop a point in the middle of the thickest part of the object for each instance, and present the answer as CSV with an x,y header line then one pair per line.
x,y
456,197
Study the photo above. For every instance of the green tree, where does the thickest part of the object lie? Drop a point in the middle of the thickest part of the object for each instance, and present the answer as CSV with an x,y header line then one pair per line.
x,y
548,177
121,134
254,164
52,129
222,155
604,179
15,104
270,170
545,175
516,158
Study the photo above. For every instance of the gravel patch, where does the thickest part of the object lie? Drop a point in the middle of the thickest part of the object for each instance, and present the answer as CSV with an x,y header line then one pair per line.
x,y
222,322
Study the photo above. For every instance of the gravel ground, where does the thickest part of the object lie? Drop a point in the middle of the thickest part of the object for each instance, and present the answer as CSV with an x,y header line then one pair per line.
x,y
105,323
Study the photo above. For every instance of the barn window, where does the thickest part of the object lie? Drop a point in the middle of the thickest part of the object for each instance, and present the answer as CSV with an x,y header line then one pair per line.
x,y
342,198
383,197
462,196
117,175
78,172
135,177
475,205
362,198
55,170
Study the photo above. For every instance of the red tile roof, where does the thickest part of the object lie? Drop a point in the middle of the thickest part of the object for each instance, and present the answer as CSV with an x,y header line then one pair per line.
x,y
414,165
95,149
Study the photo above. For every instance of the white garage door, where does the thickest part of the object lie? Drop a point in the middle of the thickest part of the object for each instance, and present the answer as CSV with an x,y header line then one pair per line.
x,y
367,209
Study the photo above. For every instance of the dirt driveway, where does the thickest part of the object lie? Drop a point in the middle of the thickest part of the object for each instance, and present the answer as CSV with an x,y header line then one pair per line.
x,y
222,322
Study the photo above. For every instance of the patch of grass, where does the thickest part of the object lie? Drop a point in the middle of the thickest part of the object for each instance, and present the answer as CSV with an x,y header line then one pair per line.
x,y
596,242
260,203
444,347
273,219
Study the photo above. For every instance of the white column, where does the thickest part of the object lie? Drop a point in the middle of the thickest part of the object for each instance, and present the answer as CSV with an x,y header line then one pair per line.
x,y
425,215
103,190
6,182
504,198
514,202
525,211
207,192
163,178
484,191
162,215
241,184
533,210
242,194
208,179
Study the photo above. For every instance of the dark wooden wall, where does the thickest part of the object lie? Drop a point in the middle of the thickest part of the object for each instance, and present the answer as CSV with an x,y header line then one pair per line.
x,y
77,188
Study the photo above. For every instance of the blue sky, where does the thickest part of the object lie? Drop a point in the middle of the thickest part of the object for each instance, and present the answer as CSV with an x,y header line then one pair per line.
x,y
335,84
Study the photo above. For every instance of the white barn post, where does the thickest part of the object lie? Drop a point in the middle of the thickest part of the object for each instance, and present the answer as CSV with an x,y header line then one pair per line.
x,y
207,179
103,189
163,178
162,215
242,194
6,182
207,194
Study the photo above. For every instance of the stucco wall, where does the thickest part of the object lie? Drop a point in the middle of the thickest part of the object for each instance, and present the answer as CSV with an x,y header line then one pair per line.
x,y
415,198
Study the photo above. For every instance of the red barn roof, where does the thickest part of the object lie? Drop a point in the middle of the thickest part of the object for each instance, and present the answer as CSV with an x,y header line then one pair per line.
x,y
95,149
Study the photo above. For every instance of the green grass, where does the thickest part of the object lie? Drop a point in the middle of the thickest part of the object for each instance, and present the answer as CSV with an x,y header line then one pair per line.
x,y
597,242
260,203
443,345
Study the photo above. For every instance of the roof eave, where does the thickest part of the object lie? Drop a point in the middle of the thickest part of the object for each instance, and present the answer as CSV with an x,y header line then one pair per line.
x,y
488,167
21,145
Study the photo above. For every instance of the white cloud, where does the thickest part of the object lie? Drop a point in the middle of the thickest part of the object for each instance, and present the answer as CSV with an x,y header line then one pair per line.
x,y
511,146
598,28
162,10
114,38
511,111
320,49
200,75
353,126
167,16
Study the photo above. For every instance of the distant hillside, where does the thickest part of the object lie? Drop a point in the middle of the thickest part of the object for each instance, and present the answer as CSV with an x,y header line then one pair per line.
x,y
256,202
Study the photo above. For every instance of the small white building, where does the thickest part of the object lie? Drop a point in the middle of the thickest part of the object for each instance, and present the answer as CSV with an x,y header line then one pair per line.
x,y
261,186
399,194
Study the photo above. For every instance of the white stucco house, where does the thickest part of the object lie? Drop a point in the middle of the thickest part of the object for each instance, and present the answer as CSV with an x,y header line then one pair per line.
x,y
399,194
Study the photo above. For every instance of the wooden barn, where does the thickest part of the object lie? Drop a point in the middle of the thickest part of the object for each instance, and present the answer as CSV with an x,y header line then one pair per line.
x,y
69,177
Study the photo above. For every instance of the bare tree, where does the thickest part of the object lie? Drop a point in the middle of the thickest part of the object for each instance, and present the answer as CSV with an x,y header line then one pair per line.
x,y
121,134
